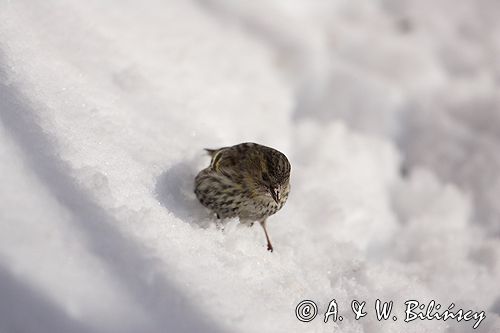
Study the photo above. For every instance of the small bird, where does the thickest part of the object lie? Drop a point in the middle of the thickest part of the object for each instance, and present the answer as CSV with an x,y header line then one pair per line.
x,y
248,181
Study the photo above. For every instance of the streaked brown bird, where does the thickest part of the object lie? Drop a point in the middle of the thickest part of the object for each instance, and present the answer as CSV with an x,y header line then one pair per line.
x,y
248,181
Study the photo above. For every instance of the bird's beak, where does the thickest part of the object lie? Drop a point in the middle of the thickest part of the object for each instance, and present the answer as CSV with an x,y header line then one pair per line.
x,y
275,193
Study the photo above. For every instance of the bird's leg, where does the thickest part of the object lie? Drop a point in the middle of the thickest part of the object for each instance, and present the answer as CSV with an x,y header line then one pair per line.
x,y
219,224
269,246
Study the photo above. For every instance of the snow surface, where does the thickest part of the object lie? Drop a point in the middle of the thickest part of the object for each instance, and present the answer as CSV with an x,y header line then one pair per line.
x,y
105,108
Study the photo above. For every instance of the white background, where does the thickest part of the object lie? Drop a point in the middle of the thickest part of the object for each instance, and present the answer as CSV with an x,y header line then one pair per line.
x,y
105,108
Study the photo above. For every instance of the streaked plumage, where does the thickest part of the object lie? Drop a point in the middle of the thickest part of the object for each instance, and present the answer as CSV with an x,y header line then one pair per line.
x,y
248,180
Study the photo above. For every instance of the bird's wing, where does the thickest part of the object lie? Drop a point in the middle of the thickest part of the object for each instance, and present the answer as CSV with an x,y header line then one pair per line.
x,y
224,160
231,161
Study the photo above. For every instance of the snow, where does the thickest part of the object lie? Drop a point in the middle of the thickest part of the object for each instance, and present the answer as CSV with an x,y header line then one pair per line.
x,y
105,108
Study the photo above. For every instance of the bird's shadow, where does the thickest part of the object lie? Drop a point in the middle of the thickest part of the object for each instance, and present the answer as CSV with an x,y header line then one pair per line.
x,y
175,191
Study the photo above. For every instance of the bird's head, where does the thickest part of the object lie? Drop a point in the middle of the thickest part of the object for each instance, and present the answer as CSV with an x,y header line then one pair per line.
x,y
274,175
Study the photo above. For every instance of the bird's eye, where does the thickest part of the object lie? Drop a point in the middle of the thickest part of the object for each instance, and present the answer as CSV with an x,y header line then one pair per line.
x,y
265,177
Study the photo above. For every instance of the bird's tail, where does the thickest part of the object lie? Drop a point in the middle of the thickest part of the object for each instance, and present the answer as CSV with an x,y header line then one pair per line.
x,y
211,152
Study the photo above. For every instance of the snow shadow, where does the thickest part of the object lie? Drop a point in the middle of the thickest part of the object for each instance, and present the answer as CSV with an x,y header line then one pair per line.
x,y
132,268
175,191
25,309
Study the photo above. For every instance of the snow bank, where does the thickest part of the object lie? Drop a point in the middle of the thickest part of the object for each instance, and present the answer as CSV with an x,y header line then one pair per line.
x,y
105,109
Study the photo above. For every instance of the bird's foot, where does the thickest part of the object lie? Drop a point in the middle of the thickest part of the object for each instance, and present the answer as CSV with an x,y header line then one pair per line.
x,y
270,248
